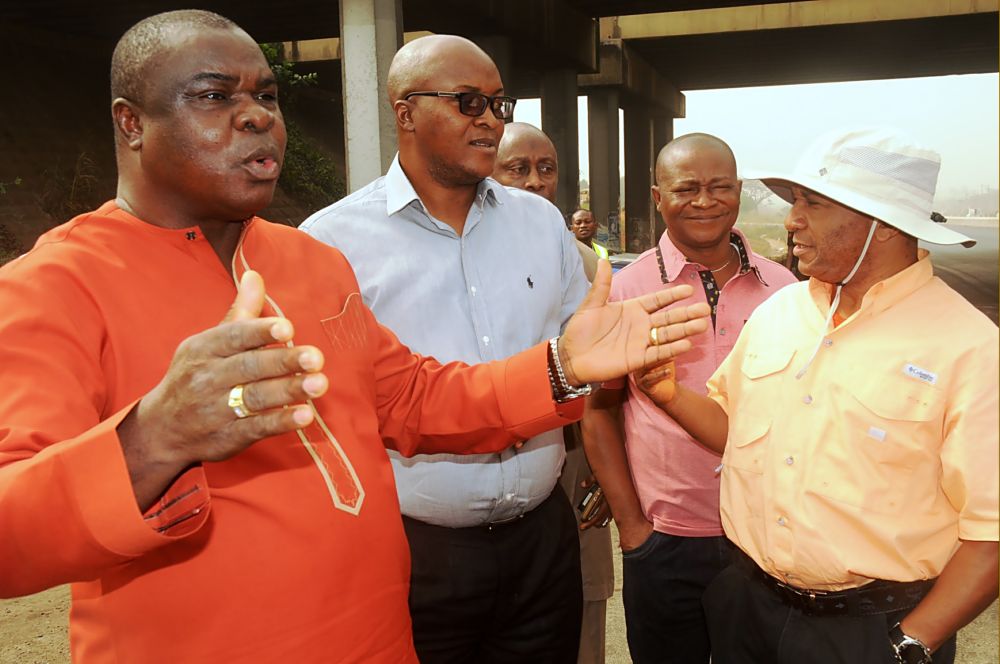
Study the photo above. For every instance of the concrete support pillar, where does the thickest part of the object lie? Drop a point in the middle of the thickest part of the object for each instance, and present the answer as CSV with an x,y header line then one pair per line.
x,y
639,232
498,48
605,185
371,31
663,133
559,121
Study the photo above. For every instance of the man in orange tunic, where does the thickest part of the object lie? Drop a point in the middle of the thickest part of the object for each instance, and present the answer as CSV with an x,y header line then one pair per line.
x,y
220,492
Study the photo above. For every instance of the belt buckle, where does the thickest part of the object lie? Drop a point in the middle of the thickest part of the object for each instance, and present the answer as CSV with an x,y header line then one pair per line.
x,y
504,522
805,598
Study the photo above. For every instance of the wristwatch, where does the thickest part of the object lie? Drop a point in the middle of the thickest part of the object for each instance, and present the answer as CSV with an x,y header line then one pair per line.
x,y
908,650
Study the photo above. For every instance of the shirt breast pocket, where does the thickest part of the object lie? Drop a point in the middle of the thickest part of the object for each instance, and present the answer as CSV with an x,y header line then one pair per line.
x,y
760,381
348,330
886,443
898,419
349,358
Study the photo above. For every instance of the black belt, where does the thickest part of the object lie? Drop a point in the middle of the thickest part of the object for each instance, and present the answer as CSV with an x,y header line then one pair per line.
x,y
493,525
871,599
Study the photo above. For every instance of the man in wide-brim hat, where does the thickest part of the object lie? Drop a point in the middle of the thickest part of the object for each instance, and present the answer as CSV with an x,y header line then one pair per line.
x,y
858,417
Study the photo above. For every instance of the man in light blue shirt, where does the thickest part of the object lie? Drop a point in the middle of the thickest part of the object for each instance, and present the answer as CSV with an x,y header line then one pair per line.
x,y
463,268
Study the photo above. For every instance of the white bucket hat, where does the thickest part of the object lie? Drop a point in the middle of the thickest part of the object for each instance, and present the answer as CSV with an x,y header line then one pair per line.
x,y
878,172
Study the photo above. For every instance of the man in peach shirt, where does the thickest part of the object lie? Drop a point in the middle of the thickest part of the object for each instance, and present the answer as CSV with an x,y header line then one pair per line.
x,y
858,413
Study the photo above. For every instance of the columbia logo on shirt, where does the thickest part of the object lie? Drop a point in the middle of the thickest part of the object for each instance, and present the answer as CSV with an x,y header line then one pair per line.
x,y
924,375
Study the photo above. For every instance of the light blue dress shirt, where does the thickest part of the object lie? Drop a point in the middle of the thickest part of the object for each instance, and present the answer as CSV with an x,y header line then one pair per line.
x,y
511,280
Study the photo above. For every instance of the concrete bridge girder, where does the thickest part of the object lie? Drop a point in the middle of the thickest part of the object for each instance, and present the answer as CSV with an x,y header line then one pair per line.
x,y
650,103
796,14
814,41
371,32
649,98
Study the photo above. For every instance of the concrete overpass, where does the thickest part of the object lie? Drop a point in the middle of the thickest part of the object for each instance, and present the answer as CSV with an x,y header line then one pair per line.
x,y
644,60
637,55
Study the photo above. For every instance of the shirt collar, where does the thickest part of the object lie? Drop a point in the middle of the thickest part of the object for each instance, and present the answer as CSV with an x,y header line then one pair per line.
x,y
883,294
672,261
399,191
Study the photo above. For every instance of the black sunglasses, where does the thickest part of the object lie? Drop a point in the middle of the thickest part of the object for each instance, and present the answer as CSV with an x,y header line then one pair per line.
x,y
475,104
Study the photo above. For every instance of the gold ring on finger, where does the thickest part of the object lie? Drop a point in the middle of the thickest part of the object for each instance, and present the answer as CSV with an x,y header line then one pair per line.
x,y
654,339
237,404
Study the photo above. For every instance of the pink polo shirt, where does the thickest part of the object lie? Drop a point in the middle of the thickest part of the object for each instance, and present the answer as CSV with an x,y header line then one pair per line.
x,y
675,477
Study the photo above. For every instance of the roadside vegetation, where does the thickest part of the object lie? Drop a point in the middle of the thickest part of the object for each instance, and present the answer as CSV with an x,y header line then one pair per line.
x,y
306,174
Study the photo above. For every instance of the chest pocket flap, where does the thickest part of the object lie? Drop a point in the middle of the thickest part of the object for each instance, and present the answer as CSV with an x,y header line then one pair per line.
x,y
759,393
901,398
758,364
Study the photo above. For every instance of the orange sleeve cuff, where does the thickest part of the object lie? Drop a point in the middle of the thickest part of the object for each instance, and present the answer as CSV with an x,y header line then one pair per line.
x,y
94,470
525,394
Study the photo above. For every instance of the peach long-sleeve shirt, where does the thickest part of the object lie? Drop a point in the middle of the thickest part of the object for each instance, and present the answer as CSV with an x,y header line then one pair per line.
x,y
883,455
292,550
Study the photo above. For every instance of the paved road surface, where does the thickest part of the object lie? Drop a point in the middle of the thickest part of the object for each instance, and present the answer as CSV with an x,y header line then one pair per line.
x,y
972,272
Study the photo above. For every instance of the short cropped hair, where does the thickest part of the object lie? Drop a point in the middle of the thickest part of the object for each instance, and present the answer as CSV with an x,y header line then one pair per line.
x,y
145,39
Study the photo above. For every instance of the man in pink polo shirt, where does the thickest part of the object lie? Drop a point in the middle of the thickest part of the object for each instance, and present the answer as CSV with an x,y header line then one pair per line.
x,y
663,487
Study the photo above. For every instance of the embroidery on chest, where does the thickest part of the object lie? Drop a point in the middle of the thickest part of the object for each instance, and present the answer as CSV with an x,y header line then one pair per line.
x,y
334,466
348,329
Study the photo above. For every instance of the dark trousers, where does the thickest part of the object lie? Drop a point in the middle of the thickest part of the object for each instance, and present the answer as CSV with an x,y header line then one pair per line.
x,y
663,581
750,624
508,594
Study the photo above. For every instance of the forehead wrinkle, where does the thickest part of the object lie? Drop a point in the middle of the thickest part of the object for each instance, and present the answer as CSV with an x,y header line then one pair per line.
x,y
214,76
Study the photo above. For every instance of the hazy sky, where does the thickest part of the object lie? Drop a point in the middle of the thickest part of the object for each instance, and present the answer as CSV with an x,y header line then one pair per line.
x,y
959,116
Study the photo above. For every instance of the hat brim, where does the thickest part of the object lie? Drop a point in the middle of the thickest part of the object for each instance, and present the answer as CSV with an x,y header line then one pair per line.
x,y
906,221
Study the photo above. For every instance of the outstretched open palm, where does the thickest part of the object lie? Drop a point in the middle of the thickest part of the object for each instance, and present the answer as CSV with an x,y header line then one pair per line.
x,y
604,340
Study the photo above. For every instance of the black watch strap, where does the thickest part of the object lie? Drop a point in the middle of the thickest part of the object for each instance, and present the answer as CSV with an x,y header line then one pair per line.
x,y
908,649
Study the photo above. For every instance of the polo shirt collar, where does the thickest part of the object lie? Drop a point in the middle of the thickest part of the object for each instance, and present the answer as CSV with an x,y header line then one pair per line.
x,y
399,191
672,261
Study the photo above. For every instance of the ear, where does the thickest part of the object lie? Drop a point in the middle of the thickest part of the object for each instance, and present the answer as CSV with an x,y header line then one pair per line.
x,y
655,189
128,123
739,187
884,232
404,115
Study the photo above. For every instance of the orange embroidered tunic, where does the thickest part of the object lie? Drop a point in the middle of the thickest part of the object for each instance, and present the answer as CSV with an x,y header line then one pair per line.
x,y
292,550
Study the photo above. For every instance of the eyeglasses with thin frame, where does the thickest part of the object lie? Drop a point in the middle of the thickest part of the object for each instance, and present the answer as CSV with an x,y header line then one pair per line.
x,y
475,104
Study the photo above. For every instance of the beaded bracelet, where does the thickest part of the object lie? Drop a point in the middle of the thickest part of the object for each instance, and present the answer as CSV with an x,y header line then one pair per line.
x,y
562,391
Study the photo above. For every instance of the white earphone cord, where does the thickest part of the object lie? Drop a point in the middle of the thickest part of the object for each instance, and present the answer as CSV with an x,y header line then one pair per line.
x,y
836,301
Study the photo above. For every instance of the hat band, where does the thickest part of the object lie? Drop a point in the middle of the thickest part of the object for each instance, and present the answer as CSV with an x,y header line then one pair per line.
x,y
917,172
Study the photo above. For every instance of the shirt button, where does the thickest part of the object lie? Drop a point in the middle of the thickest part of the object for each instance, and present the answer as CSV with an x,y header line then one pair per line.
x,y
781,520
827,342
789,460
722,331
691,276
807,399
473,289
486,340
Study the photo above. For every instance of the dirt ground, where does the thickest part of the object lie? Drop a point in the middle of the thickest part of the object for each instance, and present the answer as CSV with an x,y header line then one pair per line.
x,y
33,629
